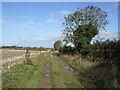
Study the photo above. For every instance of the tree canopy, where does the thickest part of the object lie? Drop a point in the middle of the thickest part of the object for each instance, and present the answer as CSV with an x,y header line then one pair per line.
x,y
57,44
90,15
83,35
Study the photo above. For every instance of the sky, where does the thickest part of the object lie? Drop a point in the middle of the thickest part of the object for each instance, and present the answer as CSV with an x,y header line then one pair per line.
x,y
39,24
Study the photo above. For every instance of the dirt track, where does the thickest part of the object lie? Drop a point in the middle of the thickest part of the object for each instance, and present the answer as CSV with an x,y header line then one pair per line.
x,y
46,71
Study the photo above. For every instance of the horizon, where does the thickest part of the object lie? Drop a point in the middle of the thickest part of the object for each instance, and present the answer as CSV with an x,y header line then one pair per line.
x,y
39,24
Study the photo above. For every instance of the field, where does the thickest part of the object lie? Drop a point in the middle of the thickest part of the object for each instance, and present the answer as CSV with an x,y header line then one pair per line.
x,y
7,53
12,57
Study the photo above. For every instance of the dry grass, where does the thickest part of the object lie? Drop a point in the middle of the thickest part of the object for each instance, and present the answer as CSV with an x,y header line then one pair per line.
x,y
104,75
79,60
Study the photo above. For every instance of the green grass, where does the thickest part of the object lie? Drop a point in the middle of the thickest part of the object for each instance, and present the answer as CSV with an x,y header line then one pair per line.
x,y
61,77
31,76
23,75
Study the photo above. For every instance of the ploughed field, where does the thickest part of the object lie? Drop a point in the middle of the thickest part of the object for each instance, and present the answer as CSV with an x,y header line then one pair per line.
x,y
11,57
7,53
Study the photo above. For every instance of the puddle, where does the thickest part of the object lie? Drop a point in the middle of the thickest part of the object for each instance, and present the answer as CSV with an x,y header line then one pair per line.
x,y
47,75
61,61
47,65
66,67
69,68
48,59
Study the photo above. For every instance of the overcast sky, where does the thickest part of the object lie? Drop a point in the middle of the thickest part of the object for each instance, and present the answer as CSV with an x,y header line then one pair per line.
x,y
40,24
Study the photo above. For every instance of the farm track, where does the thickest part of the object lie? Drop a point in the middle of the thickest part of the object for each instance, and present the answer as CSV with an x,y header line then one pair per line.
x,y
56,75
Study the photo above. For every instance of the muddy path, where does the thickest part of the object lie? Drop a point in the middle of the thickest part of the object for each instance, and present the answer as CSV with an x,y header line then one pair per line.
x,y
86,82
47,74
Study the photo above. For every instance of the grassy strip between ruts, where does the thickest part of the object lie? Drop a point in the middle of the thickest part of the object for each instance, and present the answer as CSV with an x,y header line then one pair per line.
x,y
61,77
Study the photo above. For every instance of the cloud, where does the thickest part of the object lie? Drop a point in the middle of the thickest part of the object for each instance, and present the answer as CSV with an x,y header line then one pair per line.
x,y
113,8
39,23
51,21
51,14
38,41
31,24
25,17
50,38
1,21
65,12
105,35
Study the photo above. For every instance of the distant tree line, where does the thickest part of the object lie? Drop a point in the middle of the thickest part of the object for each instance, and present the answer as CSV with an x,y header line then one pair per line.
x,y
24,48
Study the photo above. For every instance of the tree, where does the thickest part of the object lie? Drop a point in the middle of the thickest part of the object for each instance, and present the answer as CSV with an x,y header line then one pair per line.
x,y
57,44
89,15
83,35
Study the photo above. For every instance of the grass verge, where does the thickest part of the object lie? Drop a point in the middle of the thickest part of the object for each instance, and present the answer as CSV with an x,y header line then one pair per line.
x,y
102,75
23,75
